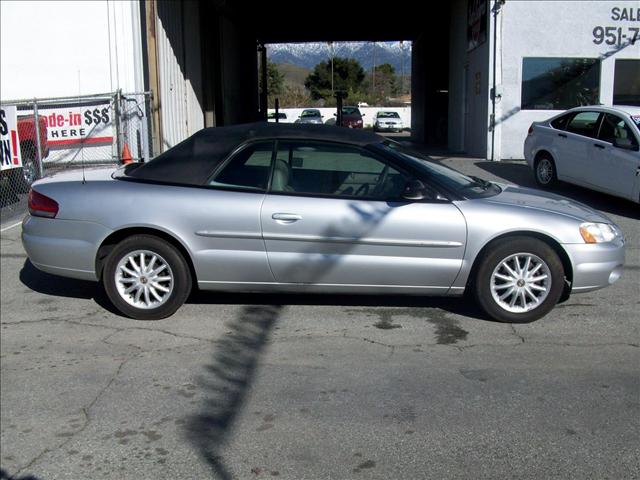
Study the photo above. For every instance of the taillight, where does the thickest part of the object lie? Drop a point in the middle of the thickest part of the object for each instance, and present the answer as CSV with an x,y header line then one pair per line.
x,y
42,206
530,130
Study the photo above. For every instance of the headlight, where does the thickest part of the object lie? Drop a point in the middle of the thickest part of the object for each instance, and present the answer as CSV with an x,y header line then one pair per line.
x,y
599,232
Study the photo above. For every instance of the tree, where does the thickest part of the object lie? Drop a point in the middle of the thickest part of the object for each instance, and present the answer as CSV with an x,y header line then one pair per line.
x,y
275,79
348,75
381,83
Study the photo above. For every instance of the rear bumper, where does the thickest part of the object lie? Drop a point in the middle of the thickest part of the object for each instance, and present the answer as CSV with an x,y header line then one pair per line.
x,y
595,265
63,247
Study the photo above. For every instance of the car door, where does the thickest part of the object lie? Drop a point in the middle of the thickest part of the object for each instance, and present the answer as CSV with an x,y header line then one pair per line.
x,y
617,167
334,217
227,244
575,148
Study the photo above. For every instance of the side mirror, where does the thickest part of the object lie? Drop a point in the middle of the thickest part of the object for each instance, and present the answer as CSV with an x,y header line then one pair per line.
x,y
624,143
414,190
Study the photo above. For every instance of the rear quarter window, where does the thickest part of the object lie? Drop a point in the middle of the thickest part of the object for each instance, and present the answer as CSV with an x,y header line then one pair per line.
x,y
560,123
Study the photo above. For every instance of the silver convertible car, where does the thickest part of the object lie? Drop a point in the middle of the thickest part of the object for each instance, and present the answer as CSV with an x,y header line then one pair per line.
x,y
306,208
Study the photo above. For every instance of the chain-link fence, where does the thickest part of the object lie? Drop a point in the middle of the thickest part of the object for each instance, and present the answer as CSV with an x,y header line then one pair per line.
x,y
66,133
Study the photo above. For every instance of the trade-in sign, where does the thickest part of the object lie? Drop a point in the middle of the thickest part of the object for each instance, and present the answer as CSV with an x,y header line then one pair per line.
x,y
78,124
10,156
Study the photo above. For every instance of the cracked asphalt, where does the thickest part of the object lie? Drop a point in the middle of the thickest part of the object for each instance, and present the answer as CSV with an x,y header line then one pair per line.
x,y
319,387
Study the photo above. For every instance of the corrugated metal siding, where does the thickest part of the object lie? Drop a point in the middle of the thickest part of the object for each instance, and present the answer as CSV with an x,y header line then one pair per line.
x,y
179,71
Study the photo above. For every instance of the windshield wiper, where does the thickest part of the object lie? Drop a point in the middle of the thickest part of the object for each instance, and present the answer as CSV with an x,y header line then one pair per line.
x,y
484,184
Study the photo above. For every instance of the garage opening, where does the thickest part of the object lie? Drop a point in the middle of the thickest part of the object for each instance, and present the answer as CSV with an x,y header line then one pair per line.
x,y
305,82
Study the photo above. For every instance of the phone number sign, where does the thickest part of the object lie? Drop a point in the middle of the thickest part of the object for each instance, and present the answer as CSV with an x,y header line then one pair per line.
x,y
623,32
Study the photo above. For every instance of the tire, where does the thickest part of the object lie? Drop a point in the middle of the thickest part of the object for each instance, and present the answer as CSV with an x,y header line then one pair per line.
x,y
493,280
160,296
545,171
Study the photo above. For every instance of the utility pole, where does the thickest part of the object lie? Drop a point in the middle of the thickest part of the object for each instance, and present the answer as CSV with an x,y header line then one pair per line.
x,y
331,47
374,68
402,69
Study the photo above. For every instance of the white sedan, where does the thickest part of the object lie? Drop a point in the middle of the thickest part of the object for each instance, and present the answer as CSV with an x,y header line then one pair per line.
x,y
387,121
595,147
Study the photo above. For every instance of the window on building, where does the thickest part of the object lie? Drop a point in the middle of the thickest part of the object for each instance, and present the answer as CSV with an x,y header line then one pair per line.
x,y
559,83
626,83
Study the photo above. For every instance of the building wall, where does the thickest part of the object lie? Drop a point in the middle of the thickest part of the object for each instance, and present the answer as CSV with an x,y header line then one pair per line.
x,y
553,29
179,71
55,49
457,76
469,77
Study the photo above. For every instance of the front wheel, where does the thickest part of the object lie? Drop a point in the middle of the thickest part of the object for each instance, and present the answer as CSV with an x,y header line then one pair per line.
x,y
146,278
519,280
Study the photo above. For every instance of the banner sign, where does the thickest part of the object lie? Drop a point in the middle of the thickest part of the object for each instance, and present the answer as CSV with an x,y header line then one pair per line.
x,y
10,156
79,124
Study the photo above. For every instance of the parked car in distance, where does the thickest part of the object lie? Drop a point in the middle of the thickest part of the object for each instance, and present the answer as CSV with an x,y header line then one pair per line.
x,y
310,115
387,121
351,117
281,117
595,147
309,208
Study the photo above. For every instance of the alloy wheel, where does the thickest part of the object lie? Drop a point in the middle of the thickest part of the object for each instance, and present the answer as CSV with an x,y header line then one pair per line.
x,y
144,279
520,282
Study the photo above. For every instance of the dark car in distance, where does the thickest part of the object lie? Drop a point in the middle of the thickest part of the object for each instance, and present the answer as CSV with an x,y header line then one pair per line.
x,y
351,117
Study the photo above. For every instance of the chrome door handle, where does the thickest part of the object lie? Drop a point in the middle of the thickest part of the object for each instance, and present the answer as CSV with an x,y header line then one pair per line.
x,y
286,217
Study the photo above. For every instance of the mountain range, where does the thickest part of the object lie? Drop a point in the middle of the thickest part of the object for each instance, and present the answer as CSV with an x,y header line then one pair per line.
x,y
308,55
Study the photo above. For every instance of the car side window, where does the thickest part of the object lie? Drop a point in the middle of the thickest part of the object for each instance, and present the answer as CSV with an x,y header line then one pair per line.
x,y
248,169
584,123
614,128
334,170
560,123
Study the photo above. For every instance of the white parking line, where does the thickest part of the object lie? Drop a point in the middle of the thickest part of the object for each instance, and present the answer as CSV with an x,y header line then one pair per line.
x,y
10,227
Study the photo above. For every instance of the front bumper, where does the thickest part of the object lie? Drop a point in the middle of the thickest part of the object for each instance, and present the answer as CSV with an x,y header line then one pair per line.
x,y
389,127
63,247
595,265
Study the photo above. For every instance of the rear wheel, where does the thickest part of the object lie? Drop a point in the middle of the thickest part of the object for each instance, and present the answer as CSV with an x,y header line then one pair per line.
x,y
519,280
545,171
146,278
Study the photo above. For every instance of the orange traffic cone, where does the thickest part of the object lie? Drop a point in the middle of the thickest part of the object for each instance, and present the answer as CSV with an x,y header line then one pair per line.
x,y
126,155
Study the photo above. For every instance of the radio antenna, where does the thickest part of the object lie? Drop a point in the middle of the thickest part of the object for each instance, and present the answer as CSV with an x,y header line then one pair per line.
x,y
84,180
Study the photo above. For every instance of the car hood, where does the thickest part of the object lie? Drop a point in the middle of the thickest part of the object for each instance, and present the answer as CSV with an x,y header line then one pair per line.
x,y
539,200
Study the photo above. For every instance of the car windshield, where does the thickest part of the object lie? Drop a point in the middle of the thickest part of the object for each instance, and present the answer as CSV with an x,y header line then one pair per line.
x,y
310,113
350,111
388,115
636,120
463,185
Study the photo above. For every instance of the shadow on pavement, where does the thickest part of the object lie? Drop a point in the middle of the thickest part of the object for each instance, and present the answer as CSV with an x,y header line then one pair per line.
x,y
49,284
5,476
457,305
228,379
520,174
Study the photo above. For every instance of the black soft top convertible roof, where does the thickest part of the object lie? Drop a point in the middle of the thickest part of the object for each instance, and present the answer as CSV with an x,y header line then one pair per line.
x,y
193,160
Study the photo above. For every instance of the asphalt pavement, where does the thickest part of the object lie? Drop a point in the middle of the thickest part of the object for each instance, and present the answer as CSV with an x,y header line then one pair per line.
x,y
320,387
